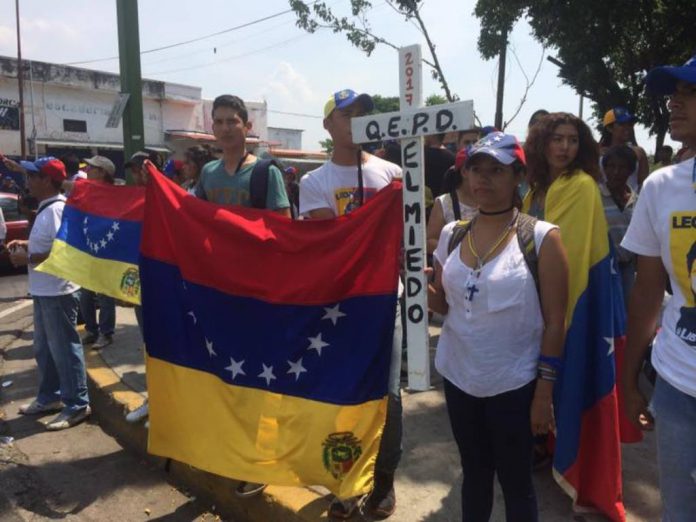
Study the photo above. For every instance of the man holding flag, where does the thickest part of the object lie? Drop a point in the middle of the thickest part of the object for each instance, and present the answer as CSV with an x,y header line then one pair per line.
x,y
57,346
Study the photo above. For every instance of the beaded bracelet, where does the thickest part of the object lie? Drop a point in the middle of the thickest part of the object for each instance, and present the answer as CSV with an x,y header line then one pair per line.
x,y
547,375
554,362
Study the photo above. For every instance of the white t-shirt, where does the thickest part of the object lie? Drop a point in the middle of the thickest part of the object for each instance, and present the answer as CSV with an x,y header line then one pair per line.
x,y
465,210
40,241
335,186
664,225
3,226
491,338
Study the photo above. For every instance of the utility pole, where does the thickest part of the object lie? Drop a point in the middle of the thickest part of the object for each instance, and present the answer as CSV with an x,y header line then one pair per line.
x,y
501,83
20,83
131,80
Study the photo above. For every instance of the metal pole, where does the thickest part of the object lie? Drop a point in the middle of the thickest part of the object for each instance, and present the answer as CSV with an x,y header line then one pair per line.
x,y
501,84
33,119
131,80
20,83
582,99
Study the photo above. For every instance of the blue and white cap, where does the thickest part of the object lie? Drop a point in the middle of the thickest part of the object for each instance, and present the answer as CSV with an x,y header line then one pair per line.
x,y
663,80
500,146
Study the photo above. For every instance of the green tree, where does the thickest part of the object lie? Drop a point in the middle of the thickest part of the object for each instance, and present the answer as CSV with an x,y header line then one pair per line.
x,y
606,48
435,99
318,15
385,103
326,145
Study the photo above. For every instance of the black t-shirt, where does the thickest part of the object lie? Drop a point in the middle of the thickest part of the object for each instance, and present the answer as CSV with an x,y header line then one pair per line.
x,y
436,162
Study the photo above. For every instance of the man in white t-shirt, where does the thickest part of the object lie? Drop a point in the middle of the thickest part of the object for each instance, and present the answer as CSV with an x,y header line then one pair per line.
x,y
57,346
338,187
663,235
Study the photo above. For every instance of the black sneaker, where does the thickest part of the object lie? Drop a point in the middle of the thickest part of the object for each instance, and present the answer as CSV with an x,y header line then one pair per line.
x,y
343,509
90,338
381,502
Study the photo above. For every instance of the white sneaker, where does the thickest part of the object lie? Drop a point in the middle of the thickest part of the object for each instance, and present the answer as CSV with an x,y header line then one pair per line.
x,y
66,420
36,408
139,413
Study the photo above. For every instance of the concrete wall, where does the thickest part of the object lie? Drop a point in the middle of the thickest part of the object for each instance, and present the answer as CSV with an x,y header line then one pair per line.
x,y
288,138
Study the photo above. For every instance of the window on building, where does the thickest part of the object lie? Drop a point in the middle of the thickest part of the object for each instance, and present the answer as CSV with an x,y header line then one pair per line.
x,y
74,126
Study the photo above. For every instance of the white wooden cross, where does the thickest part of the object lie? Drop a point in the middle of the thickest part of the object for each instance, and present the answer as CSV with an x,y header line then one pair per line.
x,y
409,125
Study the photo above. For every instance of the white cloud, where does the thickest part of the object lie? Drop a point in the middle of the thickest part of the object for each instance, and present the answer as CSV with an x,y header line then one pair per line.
x,y
286,88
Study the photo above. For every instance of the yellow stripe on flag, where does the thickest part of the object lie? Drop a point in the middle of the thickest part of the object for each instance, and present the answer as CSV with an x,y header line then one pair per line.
x,y
105,276
253,435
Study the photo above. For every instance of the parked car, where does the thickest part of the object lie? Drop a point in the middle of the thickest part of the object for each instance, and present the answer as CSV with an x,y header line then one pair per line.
x,y
17,224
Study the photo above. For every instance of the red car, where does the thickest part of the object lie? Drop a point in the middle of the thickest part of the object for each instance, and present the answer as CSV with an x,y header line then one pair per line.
x,y
17,224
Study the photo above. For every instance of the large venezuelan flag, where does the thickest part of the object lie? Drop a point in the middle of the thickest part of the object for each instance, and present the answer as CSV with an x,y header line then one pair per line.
x,y
587,455
268,339
98,240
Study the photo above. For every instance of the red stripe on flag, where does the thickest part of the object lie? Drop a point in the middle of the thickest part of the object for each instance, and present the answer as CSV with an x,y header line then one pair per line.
x,y
273,258
599,450
109,201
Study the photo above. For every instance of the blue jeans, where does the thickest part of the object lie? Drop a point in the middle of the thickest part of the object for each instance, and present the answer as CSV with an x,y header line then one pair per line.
x,y
58,352
107,312
390,449
675,426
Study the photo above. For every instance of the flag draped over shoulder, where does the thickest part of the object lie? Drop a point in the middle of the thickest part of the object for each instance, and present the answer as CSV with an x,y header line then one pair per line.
x,y
97,245
268,339
587,456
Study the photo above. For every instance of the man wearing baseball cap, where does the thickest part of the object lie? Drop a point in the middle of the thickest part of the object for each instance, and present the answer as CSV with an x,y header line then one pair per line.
x,y
57,346
618,130
663,236
338,187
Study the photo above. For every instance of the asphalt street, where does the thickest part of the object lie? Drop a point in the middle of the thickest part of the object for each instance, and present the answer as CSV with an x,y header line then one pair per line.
x,y
77,474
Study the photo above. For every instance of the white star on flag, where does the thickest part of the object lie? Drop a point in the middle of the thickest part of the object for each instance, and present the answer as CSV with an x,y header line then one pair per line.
x,y
333,313
109,236
236,368
267,374
115,226
497,138
193,316
315,343
610,342
488,143
209,347
102,243
296,368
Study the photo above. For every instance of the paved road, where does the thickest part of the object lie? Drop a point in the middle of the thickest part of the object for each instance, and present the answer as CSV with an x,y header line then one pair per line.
x,y
78,474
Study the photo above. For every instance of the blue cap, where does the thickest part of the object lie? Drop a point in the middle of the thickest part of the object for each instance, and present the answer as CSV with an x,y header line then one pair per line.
x,y
500,146
488,129
663,80
39,163
346,98
29,166
618,115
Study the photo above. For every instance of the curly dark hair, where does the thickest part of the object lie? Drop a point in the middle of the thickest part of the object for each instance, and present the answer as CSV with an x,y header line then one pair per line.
x,y
199,156
587,159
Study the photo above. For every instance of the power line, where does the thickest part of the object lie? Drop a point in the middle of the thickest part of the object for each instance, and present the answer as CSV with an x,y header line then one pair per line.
x,y
229,59
200,38
297,114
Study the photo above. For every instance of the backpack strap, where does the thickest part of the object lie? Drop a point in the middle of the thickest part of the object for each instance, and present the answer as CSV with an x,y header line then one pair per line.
x,y
258,184
458,233
525,238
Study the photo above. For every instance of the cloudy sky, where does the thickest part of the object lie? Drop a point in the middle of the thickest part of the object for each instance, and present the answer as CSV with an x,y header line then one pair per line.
x,y
295,72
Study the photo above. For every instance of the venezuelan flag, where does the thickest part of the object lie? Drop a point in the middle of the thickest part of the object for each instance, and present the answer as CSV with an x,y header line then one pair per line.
x,y
269,339
587,455
97,245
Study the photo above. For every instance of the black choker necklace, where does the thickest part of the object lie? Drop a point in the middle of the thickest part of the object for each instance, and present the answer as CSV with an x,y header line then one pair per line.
x,y
496,213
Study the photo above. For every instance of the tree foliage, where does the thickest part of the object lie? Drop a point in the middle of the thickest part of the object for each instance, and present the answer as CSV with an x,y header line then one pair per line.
x,y
312,16
606,47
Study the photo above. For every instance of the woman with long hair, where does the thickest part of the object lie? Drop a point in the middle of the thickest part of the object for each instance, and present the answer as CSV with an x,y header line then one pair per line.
x,y
502,339
563,171
194,159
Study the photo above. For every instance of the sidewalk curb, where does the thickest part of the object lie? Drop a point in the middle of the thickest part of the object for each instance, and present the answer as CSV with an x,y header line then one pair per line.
x,y
111,399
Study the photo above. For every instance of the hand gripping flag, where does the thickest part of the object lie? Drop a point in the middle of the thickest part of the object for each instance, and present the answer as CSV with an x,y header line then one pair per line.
x,y
268,339
587,456
98,240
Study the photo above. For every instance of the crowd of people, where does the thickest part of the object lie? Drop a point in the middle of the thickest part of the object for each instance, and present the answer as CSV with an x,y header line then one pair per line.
x,y
502,234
